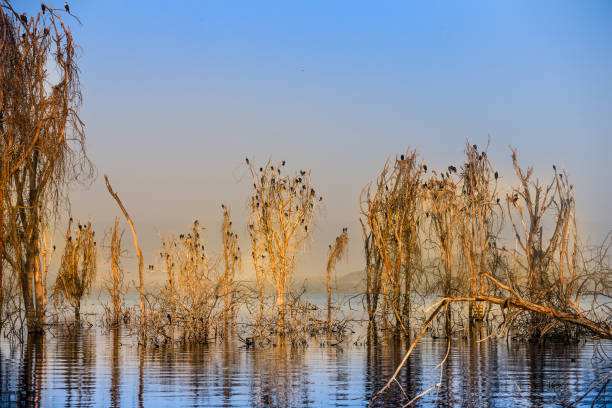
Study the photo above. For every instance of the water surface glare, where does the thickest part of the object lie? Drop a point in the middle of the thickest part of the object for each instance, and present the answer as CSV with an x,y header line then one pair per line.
x,y
89,368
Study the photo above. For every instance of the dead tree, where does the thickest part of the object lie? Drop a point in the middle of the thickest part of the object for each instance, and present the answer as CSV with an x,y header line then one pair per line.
x,y
231,261
115,287
480,222
444,212
373,270
336,251
42,140
393,211
282,214
545,263
78,267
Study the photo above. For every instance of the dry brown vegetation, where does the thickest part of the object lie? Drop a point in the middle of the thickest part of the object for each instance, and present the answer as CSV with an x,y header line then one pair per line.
x,y
506,259
42,142
77,269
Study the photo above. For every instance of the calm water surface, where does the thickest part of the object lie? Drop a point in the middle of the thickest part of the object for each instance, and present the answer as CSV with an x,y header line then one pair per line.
x,y
89,368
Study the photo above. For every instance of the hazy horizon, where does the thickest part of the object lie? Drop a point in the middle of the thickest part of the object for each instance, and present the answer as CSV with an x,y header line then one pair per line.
x,y
176,96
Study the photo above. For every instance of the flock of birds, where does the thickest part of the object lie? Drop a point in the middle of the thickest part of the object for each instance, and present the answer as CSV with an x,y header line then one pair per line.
x,y
43,7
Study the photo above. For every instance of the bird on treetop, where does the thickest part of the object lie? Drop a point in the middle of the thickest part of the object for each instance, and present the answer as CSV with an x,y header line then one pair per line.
x,y
67,7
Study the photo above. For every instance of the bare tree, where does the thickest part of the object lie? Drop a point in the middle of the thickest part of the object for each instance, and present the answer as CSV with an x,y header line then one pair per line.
x,y
231,261
42,139
78,267
444,211
393,212
115,287
481,221
282,212
337,250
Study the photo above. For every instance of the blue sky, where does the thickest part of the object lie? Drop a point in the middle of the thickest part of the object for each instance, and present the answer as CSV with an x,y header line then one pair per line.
x,y
176,94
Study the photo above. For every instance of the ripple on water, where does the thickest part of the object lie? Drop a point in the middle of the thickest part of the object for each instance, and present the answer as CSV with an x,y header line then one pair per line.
x,y
87,368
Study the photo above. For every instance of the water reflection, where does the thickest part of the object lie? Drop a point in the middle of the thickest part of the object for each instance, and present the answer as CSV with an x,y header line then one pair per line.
x,y
86,368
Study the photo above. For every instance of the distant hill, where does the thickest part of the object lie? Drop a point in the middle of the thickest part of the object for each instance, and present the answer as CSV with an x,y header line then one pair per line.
x,y
351,283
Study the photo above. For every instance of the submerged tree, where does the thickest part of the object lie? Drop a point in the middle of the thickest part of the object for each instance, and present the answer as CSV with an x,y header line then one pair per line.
x,y
443,210
336,251
481,221
231,261
115,285
78,267
392,210
282,212
43,143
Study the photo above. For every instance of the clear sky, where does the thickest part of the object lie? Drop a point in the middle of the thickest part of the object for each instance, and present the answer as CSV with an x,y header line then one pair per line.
x,y
176,94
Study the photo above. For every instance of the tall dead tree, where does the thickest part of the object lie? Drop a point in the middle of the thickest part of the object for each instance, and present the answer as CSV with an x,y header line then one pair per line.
x,y
444,212
231,261
393,211
282,213
481,220
43,143
546,255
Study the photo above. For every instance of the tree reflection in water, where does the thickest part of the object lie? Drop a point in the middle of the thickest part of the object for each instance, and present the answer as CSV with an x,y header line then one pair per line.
x,y
88,367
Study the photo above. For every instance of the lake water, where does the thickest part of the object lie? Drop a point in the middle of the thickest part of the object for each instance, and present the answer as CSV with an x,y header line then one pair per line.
x,y
88,367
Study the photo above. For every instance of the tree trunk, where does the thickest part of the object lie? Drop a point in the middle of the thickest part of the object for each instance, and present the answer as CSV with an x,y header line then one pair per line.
x,y
77,310
280,301
40,294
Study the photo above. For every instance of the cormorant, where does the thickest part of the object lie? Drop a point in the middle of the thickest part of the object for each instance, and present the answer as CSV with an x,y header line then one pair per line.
x,y
247,160
24,19
402,157
496,175
67,7
425,167
283,163
43,7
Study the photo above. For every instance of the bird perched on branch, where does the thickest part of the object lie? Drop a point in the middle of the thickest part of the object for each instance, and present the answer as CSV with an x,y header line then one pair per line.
x,y
43,7
66,6
24,19
496,175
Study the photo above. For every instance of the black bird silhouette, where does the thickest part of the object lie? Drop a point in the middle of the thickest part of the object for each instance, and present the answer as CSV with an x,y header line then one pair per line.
x,y
425,167
402,157
67,7
247,160
43,7
283,163
24,19
260,169
496,175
